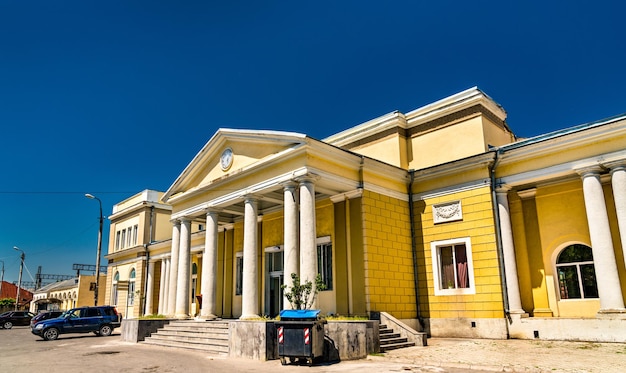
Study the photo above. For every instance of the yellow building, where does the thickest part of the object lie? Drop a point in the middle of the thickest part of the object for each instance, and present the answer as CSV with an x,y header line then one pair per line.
x,y
67,294
440,217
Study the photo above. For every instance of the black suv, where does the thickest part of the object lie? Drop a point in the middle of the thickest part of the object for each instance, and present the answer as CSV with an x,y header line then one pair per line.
x,y
44,316
8,319
100,320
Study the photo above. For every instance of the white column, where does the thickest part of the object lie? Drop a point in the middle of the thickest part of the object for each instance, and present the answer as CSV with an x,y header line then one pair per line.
x,y
184,266
149,288
308,234
618,181
250,300
508,253
173,274
162,287
208,287
291,256
607,277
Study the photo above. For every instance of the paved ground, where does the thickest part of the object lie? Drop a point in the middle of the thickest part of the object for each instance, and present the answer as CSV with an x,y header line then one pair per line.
x,y
20,351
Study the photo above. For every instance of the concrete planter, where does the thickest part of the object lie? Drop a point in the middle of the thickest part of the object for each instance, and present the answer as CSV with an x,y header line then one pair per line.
x,y
343,340
135,330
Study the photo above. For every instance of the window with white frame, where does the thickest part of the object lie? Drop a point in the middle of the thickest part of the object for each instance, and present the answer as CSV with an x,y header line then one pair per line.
x,y
116,278
123,240
325,261
453,270
239,274
117,240
130,238
135,233
131,287
577,274
194,281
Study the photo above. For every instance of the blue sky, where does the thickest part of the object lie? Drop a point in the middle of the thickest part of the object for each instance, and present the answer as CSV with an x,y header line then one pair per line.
x,y
114,97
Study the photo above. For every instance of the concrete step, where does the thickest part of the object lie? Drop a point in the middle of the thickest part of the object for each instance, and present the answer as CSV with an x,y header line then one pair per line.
x,y
395,346
387,336
194,333
219,350
389,341
209,336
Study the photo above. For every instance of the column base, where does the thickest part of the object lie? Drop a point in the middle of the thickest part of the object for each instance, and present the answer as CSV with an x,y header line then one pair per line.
x,y
542,312
182,316
207,317
612,313
249,317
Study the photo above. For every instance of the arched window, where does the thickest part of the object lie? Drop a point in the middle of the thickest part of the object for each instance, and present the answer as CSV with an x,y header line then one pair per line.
x,y
577,275
194,281
116,278
131,287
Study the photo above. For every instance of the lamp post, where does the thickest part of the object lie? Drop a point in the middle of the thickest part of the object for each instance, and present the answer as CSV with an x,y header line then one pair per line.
x,y
95,290
19,278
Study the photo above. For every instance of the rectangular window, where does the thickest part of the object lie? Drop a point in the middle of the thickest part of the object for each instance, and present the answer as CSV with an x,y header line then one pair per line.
x,y
452,267
325,263
239,272
117,240
123,238
130,238
135,233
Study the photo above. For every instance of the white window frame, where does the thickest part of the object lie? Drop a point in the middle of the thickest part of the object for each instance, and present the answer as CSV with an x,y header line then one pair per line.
x,y
326,241
434,247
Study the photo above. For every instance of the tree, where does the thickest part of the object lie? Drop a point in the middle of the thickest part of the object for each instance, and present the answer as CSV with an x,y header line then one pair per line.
x,y
302,296
7,302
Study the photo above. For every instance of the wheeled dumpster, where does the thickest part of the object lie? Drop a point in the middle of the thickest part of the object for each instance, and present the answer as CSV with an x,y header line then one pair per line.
x,y
300,335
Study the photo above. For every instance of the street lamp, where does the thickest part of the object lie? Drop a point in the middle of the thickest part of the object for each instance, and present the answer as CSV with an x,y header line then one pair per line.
x,y
95,290
19,278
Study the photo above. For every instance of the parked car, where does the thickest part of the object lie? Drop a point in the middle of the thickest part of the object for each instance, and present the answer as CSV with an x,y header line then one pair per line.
x,y
44,316
8,319
100,320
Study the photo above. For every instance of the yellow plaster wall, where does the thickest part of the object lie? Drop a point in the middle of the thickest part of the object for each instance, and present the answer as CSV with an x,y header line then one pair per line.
x,y
391,149
388,263
477,224
448,143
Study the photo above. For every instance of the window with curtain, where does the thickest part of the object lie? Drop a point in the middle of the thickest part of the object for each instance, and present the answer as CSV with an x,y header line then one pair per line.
x,y
452,266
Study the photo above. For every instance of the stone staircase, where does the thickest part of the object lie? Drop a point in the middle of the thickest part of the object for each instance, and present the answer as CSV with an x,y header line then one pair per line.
x,y
209,336
390,340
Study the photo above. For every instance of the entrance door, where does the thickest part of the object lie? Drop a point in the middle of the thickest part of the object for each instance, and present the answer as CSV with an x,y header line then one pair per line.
x,y
274,280
276,294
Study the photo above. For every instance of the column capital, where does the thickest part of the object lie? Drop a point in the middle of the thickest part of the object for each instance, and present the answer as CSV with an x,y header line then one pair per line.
x,y
616,166
502,188
527,193
287,185
593,170
212,211
307,179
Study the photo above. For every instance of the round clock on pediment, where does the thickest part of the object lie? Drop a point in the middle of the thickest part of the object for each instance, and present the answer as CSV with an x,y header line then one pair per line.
x,y
226,159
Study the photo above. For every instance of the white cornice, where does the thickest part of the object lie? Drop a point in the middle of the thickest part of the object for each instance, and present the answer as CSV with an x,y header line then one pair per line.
x,y
457,102
475,184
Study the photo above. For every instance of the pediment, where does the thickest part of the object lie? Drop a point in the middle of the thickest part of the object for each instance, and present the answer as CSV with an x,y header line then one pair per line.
x,y
247,148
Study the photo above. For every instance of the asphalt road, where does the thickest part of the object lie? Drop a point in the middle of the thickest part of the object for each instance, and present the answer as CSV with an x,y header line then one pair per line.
x,y
21,351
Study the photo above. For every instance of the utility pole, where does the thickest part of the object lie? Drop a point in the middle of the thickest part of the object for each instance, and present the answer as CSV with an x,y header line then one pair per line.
x,y
19,279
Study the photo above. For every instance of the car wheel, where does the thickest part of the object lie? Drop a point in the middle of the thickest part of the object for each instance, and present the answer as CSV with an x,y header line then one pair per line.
x,y
51,334
105,330
7,325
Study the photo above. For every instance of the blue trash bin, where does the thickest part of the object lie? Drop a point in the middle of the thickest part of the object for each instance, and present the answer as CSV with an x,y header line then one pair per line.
x,y
300,335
